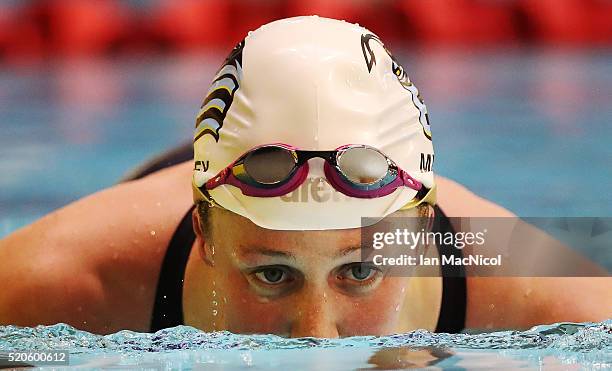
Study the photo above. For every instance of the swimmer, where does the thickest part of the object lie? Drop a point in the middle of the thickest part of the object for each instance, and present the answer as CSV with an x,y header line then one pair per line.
x,y
309,124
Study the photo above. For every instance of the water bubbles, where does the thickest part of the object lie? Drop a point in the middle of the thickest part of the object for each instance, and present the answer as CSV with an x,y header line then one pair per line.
x,y
214,306
247,358
152,233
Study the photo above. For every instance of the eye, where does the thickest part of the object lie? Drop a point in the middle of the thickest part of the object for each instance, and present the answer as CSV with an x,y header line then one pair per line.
x,y
360,272
272,275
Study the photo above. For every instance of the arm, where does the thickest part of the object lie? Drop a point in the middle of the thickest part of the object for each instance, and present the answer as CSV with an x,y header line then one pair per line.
x,y
522,302
94,263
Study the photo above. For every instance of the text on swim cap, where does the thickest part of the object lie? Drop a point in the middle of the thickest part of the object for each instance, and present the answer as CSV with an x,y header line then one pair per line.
x,y
315,189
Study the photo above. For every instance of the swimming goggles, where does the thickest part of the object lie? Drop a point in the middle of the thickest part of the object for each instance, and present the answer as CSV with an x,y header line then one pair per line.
x,y
355,170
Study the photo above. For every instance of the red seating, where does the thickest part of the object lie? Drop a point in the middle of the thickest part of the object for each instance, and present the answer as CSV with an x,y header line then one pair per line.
x,y
33,30
570,22
21,35
81,27
340,9
248,15
461,21
191,24
381,17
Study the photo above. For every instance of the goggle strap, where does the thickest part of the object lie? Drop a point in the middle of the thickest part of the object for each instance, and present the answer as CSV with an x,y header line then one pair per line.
x,y
201,194
425,195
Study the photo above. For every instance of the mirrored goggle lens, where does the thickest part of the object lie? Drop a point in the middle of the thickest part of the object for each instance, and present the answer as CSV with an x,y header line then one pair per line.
x,y
362,165
269,165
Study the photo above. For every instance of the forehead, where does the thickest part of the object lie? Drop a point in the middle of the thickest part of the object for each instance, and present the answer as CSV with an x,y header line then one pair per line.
x,y
238,237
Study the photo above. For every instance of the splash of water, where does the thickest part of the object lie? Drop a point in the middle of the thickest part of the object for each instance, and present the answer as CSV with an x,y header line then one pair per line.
x,y
571,337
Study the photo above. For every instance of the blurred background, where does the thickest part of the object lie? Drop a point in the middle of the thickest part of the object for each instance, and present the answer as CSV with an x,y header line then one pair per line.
x,y
519,91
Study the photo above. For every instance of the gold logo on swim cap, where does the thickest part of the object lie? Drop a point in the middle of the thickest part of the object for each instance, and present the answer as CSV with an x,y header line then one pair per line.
x,y
220,95
400,73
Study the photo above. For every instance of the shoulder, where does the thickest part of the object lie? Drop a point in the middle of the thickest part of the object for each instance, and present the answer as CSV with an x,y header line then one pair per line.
x,y
47,288
96,257
458,201
523,302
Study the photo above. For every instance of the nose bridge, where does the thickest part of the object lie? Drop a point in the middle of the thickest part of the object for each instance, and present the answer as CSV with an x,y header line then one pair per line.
x,y
305,155
314,315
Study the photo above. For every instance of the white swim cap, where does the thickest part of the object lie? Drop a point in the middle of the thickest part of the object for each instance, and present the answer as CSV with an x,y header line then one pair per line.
x,y
316,84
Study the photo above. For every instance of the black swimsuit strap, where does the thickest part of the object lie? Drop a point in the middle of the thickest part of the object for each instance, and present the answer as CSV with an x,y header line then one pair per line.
x,y
168,307
454,288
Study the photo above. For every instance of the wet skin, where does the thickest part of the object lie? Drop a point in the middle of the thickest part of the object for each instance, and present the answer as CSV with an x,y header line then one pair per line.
x,y
95,265
290,283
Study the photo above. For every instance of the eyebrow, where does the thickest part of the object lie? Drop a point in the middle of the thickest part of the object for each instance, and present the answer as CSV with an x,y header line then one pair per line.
x,y
270,252
346,251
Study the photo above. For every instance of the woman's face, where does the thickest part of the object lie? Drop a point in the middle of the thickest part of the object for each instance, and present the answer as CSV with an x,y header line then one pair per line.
x,y
298,283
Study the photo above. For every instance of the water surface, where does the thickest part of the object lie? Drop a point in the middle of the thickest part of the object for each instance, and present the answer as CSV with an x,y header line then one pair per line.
x,y
558,346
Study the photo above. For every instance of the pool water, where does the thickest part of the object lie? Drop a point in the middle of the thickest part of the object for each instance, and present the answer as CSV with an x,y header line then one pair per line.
x,y
526,128
560,346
